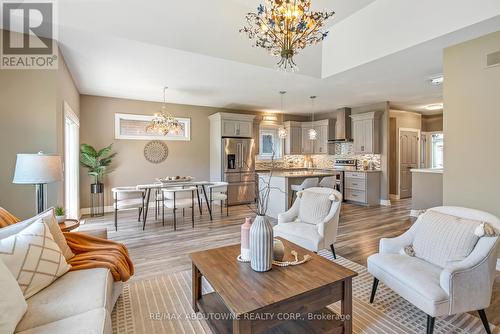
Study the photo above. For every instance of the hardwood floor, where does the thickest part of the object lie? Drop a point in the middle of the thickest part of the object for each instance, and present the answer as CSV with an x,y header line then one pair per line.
x,y
160,250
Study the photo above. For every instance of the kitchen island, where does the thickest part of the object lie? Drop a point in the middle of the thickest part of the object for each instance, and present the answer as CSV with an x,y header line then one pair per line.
x,y
427,189
280,182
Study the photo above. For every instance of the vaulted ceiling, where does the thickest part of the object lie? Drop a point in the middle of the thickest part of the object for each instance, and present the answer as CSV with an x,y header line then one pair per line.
x,y
377,50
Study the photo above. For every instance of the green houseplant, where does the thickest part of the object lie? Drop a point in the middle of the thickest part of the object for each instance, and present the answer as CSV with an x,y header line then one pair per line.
x,y
97,163
60,214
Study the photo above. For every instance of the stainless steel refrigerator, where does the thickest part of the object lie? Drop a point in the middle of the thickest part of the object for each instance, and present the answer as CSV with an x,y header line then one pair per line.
x,y
238,166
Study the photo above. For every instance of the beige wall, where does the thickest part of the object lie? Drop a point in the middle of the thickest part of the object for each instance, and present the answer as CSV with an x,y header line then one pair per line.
x,y
432,123
31,121
130,167
471,125
399,119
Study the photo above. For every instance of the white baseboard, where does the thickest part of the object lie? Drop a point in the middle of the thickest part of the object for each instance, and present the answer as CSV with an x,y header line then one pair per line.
x,y
416,213
385,202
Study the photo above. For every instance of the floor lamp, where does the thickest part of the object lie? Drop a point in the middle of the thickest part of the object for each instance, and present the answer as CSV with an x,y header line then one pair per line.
x,y
38,169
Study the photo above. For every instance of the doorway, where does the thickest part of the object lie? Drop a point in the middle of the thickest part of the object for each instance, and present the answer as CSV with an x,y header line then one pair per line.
x,y
408,159
71,163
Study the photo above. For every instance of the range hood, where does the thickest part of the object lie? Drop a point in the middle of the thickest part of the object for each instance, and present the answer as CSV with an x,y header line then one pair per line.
x,y
342,127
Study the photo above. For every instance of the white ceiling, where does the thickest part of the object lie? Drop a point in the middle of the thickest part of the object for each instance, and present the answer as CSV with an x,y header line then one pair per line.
x,y
131,49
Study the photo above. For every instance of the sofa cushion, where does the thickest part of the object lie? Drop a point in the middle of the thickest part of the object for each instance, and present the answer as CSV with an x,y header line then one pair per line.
x,y
33,258
49,219
413,279
443,239
12,305
97,321
315,204
74,293
305,235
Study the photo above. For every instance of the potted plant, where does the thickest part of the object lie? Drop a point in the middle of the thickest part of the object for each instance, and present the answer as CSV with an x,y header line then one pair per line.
x,y
60,214
97,163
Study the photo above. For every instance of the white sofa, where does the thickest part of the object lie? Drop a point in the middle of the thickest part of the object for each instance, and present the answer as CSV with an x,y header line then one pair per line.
x,y
313,219
452,270
78,302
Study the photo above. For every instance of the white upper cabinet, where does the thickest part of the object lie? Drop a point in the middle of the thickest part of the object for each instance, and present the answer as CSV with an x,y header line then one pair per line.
x,y
366,133
236,125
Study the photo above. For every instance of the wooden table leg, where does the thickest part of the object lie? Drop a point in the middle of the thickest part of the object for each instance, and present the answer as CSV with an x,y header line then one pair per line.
x,y
242,326
346,306
196,286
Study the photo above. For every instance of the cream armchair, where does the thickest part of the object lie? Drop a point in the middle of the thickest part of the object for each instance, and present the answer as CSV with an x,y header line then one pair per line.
x,y
448,270
313,219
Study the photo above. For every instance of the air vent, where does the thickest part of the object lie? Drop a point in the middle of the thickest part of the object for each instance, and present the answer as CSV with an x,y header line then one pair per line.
x,y
493,59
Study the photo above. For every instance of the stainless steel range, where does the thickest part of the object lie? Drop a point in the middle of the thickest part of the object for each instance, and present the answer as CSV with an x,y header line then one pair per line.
x,y
342,165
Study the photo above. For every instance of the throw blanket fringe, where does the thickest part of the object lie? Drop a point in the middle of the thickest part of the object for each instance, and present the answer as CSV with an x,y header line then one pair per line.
x,y
92,252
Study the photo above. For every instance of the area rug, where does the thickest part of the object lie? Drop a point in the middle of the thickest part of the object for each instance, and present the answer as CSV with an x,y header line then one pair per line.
x,y
163,305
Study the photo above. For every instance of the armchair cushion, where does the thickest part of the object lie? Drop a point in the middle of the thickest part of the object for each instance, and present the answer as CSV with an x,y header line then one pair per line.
x,y
413,279
443,239
315,204
305,235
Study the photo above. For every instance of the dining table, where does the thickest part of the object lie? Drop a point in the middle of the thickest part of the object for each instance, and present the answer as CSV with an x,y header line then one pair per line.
x,y
175,183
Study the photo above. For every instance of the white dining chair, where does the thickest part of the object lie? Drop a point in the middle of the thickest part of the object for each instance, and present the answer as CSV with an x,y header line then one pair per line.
x,y
127,198
328,182
218,192
178,198
306,184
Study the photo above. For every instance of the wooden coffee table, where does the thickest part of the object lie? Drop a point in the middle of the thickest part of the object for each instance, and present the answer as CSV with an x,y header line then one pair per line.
x,y
282,300
69,225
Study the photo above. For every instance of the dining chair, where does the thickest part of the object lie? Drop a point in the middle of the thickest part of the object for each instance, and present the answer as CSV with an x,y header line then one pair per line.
x,y
328,182
306,184
127,198
178,198
218,192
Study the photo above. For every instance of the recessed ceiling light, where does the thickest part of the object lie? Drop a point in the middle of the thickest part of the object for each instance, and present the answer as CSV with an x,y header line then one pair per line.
x,y
437,81
435,106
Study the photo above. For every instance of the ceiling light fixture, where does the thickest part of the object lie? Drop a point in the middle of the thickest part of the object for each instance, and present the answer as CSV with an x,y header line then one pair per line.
x,y
163,122
435,106
282,132
437,81
283,27
313,134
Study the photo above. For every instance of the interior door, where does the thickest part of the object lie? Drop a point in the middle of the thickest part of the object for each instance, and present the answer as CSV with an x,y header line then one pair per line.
x,y
408,148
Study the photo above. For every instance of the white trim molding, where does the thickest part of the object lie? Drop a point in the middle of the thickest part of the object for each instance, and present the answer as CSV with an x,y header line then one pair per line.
x,y
498,264
385,202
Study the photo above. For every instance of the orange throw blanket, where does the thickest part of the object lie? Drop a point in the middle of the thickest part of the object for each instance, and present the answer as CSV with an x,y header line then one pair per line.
x,y
90,252
93,252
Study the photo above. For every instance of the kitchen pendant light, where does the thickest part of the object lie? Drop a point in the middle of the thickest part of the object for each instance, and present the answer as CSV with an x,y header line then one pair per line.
x,y
282,132
313,134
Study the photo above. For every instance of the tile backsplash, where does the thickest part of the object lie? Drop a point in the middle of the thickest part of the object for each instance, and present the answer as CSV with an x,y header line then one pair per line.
x,y
342,150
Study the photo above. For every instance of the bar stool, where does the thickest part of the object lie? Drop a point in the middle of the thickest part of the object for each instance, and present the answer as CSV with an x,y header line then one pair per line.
x,y
178,198
307,183
328,182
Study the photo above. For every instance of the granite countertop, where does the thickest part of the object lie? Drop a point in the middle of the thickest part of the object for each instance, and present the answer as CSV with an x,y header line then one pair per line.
x,y
300,174
427,170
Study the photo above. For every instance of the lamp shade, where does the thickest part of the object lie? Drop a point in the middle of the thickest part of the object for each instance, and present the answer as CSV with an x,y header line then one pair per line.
x,y
37,169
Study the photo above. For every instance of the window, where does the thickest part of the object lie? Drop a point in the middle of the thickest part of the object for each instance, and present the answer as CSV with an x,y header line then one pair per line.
x,y
437,150
269,143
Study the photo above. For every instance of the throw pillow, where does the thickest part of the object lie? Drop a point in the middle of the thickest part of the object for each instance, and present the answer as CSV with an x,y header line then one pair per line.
x,y
33,258
315,205
12,305
6,218
443,239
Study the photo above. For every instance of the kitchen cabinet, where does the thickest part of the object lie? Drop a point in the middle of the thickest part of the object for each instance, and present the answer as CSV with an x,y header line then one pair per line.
x,y
293,142
366,133
362,187
307,144
321,144
237,128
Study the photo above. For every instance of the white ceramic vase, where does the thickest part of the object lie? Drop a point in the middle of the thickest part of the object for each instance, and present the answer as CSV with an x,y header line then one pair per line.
x,y
261,244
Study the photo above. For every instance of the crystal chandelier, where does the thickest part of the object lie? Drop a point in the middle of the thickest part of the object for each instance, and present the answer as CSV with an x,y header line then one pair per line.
x,y
163,122
283,27
313,134
282,132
